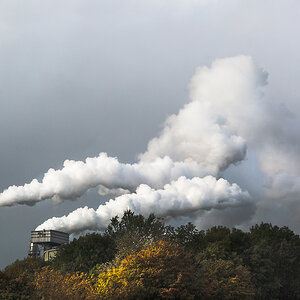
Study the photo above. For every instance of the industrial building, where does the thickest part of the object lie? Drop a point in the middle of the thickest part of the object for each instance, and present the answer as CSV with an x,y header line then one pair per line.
x,y
46,243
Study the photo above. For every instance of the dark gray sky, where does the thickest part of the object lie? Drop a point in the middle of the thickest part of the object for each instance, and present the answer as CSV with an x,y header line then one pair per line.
x,y
81,77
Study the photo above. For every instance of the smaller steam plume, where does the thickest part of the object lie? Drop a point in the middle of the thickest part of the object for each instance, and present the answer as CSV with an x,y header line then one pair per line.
x,y
179,198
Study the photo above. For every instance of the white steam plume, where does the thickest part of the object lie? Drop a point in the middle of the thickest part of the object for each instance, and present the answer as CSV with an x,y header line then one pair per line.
x,y
234,88
76,177
195,142
227,108
199,134
179,198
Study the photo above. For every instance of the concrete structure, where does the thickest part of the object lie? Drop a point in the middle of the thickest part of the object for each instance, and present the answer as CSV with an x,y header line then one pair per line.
x,y
47,240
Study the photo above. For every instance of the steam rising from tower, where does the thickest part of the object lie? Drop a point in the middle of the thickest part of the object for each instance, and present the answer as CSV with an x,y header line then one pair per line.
x,y
179,174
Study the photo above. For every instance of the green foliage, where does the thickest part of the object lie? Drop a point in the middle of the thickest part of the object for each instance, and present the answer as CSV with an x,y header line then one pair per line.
x,y
151,227
188,236
28,265
84,253
16,281
217,234
260,261
239,241
273,234
133,233
274,260
222,279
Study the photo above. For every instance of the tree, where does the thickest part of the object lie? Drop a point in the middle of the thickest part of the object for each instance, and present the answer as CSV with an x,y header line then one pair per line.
x,y
150,227
16,281
217,234
51,284
274,260
162,271
84,253
221,279
133,233
239,241
188,236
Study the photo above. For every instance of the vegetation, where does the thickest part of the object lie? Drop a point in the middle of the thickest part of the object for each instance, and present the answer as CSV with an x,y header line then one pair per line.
x,y
84,253
17,279
162,271
141,258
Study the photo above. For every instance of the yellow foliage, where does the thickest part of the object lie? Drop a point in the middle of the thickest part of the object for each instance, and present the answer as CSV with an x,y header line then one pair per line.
x,y
160,271
54,285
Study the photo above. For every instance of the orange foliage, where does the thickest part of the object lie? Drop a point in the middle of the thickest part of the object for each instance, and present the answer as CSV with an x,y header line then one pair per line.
x,y
51,284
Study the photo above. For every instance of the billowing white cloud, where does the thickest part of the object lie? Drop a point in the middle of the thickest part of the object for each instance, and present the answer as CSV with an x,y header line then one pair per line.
x,y
234,87
179,198
228,109
195,142
76,177
197,133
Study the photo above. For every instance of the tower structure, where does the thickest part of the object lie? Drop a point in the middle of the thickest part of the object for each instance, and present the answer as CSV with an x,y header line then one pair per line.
x,y
48,240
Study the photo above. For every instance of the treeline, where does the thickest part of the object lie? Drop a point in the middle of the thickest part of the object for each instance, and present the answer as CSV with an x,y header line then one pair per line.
x,y
141,258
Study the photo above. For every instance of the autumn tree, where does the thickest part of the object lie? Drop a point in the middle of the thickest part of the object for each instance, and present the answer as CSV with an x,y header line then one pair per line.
x,y
51,284
162,271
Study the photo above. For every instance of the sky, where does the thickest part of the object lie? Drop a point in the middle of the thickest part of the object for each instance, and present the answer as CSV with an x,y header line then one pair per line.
x,y
82,77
